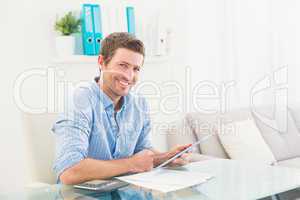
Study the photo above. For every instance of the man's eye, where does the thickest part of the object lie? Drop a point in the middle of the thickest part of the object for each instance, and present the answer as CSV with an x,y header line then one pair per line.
x,y
123,66
137,69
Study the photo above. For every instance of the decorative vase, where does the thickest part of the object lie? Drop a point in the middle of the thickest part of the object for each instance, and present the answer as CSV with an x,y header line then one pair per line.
x,y
65,45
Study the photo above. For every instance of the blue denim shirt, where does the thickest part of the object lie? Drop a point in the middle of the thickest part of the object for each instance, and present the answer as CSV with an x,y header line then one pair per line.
x,y
90,128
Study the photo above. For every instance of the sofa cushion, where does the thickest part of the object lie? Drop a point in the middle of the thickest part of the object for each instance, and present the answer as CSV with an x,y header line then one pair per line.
x,y
242,140
284,145
293,162
203,124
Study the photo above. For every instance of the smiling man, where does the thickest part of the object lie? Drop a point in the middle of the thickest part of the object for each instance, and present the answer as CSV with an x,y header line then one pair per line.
x,y
106,130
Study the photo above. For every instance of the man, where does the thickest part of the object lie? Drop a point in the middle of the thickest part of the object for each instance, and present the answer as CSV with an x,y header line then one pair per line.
x,y
105,132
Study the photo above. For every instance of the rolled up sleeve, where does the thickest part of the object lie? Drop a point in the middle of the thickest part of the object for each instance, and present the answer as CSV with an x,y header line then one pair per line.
x,y
72,131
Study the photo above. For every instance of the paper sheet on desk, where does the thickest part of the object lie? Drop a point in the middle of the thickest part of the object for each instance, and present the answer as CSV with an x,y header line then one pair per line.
x,y
166,180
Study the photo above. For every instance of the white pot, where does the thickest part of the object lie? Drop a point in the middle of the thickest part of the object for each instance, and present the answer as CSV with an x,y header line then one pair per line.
x,y
65,45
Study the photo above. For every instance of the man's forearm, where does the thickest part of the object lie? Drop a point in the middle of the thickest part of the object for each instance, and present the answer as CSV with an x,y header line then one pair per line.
x,y
91,169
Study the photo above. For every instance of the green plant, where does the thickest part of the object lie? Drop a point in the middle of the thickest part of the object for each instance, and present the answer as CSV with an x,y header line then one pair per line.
x,y
68,24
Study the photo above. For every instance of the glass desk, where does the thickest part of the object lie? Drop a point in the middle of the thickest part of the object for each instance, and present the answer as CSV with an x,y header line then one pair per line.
x,y
233,180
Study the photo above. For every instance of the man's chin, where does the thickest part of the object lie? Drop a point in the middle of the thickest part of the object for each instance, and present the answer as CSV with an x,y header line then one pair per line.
x,y
123,93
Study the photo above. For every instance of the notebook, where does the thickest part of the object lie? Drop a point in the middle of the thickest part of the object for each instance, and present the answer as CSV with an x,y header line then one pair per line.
x,y
166,180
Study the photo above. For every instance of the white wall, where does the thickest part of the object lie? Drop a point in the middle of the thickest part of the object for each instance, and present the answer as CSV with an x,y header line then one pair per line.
x,y
12,59
243,41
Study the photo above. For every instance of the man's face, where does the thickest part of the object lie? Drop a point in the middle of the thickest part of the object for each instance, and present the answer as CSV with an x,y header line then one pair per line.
x,y
122,72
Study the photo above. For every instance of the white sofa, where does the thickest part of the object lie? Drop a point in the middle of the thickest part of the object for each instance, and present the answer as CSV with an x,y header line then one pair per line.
x,y
285,146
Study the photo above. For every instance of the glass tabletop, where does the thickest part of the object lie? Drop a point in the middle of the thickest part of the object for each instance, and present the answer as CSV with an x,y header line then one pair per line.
x,y
61,192
232,180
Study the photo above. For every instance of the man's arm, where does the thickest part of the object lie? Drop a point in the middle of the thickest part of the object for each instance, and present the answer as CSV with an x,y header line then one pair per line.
x,y
72,131
91,169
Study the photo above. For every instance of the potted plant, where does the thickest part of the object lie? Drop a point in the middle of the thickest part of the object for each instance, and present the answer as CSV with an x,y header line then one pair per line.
x,y
67,26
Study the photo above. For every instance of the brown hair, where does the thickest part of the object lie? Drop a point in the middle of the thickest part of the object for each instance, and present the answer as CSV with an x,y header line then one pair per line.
x,y
116,40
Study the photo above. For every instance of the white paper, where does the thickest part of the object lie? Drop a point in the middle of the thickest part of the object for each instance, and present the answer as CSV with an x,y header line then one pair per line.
x,y
166,180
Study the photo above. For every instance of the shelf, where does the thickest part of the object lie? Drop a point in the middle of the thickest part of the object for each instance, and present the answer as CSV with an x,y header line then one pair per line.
x,y
82,59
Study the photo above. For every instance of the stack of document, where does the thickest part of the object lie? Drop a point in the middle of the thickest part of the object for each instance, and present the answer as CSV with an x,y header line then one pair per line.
x,y
166,180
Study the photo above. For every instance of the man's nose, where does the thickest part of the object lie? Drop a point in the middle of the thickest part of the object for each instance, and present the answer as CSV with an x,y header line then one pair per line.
x,y
129,74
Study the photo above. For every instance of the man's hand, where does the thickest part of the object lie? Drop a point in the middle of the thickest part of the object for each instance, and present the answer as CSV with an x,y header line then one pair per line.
x,y
142,161
183,159
159,158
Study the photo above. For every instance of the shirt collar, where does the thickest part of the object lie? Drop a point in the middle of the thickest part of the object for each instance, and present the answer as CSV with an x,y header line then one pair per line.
x,y
106,100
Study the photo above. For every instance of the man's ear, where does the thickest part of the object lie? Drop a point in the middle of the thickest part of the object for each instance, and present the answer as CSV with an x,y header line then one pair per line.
x,y
100,61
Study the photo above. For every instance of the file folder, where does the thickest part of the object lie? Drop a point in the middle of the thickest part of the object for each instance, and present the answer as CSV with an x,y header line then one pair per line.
x,y
130,20
88,39
97,28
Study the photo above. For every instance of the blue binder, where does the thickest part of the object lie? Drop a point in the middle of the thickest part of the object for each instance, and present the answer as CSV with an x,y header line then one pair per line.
x,y
130,20
88,39
97,28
